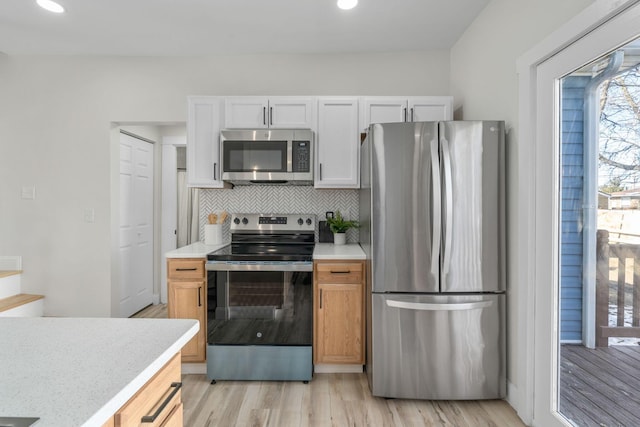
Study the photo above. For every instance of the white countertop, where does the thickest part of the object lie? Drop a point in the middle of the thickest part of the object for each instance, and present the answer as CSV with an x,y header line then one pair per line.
x,y
331,251
80,371
194,250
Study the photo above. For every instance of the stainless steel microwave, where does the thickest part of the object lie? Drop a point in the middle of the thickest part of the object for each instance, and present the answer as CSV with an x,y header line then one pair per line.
x,y
267,156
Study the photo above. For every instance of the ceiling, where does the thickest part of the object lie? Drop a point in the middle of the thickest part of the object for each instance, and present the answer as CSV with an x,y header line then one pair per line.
x,y
208,27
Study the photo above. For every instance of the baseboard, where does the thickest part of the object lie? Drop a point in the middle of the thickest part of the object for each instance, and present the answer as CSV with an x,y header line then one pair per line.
x,y
194,368
325,368
518,402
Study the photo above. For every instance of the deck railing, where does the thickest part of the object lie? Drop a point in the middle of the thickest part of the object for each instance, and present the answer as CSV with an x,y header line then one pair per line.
x,y
625,293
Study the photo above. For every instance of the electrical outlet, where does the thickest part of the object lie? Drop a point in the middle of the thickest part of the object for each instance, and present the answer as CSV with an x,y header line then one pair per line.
x,y
29,192
89,215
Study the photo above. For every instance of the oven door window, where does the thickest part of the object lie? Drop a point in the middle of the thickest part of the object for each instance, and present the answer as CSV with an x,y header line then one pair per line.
x,y
260,308
255,156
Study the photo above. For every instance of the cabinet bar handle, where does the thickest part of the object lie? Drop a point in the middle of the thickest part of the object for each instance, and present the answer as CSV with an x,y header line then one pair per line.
x,y
405,113
320,298
320,171
187,269
270,116
412,114
340,272
215,167
264,115
199,292
152,418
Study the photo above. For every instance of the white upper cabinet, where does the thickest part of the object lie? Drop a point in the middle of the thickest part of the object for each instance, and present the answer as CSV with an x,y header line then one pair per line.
x,y
203,141
430,108
269,112
338,143
388,109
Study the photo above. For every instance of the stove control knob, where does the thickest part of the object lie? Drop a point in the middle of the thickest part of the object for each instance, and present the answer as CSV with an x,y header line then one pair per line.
x,y
236,220
308,221
300,221
245,221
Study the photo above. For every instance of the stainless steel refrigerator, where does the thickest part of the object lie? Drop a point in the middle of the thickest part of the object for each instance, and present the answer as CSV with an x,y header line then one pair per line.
x,y
432,215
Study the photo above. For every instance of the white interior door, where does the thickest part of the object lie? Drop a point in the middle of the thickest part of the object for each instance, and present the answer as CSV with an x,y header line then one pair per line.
x,y
607,36
136,224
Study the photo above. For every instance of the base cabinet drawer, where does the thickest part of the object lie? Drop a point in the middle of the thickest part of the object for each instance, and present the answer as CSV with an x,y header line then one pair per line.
x,y
339,272
185,269
175,417
158,402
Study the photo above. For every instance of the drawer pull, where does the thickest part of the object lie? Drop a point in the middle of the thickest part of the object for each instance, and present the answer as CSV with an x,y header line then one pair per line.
x,y
340,272
152,418
187,269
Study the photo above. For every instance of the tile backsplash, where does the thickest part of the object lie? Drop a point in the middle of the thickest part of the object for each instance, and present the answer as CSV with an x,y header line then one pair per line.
x,y
279,199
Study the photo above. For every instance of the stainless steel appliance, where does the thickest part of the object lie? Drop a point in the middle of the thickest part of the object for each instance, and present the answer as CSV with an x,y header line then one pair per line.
x,y
267,156
260,299
432,216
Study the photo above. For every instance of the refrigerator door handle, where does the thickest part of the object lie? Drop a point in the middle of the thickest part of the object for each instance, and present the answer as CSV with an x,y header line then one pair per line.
x,y
438,307
448,184
437,209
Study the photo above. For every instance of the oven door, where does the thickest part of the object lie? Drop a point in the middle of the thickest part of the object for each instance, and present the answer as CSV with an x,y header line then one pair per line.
x,y
260,303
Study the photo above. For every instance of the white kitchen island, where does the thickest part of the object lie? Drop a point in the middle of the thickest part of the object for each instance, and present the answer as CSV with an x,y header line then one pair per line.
x,y
81,371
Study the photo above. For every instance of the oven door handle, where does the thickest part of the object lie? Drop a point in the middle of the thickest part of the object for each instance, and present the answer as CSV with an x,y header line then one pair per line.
x,y
258,266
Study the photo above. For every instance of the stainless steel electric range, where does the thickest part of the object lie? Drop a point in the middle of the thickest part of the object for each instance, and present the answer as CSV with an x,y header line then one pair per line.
x,y
260,300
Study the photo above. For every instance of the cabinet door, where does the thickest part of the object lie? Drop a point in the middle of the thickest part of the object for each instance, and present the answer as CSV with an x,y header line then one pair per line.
x,y
338,144
339,326
291,112
383,110
430,108
203,142
260,112
187,300
246,112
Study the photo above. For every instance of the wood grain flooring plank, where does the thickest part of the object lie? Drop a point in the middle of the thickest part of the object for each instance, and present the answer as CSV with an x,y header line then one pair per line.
x,y
594,399
289,410
328,400
616,363
246,416
608,379
497,412
631,351
319,404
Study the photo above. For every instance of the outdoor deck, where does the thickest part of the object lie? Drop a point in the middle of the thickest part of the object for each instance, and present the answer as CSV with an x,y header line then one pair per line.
x,y
600,387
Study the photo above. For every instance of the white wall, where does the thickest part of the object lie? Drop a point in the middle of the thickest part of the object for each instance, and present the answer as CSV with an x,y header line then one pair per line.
x,y
57,116
484,84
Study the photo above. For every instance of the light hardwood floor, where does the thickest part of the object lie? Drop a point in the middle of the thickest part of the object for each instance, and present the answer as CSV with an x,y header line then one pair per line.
x,y
328,400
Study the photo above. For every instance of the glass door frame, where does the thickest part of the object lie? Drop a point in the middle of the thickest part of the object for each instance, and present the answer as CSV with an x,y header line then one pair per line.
x,y
599,29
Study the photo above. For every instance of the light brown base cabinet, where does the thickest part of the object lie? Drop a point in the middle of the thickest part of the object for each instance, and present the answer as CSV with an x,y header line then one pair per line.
x,y
157,403
338,288
187,299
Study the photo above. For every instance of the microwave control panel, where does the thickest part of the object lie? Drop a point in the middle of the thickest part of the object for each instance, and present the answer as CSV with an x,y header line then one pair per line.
x,y
301,156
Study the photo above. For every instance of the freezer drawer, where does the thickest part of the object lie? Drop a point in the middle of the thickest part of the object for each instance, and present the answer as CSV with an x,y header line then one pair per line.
x,y
437,347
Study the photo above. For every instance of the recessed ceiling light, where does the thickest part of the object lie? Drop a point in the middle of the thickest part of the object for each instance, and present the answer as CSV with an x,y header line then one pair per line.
x,y
50,5
347,4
